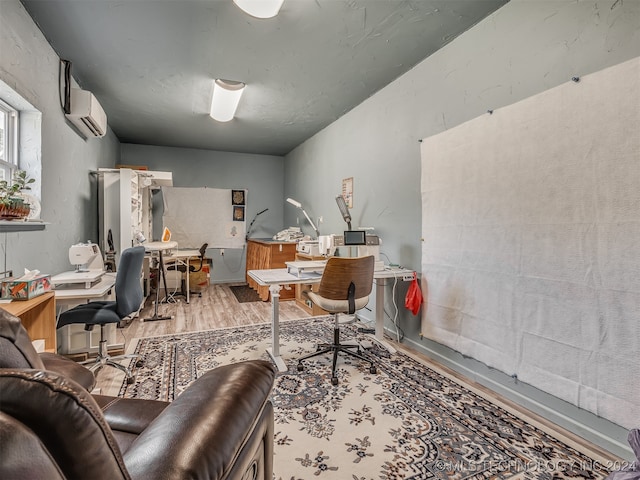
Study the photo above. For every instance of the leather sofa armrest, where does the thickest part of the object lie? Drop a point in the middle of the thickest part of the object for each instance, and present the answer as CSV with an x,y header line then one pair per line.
x,y
202,433
131,415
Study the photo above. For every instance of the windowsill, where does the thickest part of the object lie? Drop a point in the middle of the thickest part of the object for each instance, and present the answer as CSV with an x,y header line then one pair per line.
x,y
21,225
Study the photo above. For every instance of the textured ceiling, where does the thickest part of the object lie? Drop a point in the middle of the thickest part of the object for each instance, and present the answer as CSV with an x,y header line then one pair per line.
x,y
151,62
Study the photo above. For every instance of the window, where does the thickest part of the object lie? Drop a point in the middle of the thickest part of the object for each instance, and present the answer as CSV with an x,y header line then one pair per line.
x,y
8,140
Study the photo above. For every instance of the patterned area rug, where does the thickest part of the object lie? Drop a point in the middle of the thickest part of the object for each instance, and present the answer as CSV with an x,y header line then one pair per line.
x,y
410,420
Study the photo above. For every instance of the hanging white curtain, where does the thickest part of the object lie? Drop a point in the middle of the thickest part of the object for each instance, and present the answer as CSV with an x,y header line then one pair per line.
x,y
531,254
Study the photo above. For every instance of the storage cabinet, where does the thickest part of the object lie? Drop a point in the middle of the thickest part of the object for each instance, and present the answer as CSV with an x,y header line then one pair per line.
x,y
38,316
301,299
263,254
74,339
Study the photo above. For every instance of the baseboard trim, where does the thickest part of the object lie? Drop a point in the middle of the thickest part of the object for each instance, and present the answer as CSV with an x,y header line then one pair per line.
x,y
592,428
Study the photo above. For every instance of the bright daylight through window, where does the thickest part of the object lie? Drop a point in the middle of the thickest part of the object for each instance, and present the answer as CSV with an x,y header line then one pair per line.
x,y
8,140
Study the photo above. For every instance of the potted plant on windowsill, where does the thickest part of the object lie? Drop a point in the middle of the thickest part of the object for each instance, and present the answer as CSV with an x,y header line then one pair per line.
x,y
12,205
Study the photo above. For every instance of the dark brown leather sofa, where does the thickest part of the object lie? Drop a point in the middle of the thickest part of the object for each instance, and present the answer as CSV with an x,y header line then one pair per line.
x,y
51,427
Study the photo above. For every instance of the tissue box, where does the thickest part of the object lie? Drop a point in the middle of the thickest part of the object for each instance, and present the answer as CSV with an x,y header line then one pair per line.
x,y
26,289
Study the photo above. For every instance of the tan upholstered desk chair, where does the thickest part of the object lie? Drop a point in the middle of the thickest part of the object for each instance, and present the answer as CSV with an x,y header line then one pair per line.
x,y
345,287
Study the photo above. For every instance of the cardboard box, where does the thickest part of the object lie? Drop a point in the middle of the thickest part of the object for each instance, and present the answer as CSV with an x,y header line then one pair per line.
x,y
26,289
199,281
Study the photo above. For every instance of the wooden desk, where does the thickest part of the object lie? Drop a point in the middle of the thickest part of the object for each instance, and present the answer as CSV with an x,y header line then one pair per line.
x,y
265,254
38,316
301,299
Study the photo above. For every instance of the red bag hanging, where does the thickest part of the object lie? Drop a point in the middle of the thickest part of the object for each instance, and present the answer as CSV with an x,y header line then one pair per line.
x,y
413,300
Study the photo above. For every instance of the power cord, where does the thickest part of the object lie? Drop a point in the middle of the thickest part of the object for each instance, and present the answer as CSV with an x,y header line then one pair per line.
x,y
394,319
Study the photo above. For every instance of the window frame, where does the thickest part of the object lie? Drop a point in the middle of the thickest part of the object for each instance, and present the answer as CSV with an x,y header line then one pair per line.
x,y
10,163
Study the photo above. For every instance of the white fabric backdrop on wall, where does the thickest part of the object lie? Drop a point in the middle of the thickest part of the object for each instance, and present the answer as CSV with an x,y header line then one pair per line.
x,y
531,254
199,215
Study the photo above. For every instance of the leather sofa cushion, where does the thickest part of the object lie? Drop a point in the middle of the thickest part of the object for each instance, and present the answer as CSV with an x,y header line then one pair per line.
x,y
39,400
206,427
16,350
69,368
24,449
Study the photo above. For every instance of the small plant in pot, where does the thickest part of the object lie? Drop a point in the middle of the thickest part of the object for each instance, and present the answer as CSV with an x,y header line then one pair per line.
x,y
12,205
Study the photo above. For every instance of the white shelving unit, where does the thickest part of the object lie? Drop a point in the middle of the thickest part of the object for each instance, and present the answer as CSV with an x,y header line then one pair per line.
x,y
124,201
125,205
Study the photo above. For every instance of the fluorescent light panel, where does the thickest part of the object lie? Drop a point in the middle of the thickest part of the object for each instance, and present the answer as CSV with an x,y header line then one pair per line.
x,y
225,99
260,8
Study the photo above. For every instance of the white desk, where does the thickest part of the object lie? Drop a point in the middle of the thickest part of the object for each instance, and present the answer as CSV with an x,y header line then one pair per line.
x,y
159,247
73,338
88,278
68,295
276,278
184,257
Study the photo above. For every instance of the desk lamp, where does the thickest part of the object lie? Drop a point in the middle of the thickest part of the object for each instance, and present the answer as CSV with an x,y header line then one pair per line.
x,y
299,205
344,210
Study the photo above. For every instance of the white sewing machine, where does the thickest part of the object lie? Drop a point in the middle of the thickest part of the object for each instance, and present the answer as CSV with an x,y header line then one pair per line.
x,y
308,247
364,243
89,265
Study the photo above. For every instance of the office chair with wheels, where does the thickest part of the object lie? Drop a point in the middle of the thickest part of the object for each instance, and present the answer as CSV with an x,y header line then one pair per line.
x,y
129,298
345,287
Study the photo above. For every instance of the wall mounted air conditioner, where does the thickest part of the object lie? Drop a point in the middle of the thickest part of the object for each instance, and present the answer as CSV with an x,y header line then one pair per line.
x,y
87,114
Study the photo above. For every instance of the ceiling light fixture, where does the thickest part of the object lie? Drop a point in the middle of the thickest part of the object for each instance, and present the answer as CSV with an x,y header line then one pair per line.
x,y
260,8
225,99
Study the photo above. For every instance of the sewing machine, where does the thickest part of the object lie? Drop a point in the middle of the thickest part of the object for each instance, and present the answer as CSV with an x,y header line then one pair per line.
x,y
364,243
308,247
86,257
89,265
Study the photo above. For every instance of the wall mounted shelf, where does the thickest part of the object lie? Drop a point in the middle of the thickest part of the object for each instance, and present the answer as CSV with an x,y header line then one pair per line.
x,y
20,226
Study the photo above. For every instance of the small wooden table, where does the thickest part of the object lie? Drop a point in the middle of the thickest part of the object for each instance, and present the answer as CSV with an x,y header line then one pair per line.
x,y
38,316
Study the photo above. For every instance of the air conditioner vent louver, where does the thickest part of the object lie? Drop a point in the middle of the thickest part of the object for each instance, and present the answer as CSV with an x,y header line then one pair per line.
x,y
87,114
91,125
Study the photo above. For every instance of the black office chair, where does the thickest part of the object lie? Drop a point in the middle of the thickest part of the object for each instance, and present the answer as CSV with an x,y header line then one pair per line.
x,y
345,287
182,267
129,298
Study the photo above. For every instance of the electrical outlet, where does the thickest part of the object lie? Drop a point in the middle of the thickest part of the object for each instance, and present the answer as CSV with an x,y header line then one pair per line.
x,y
222,252
407,277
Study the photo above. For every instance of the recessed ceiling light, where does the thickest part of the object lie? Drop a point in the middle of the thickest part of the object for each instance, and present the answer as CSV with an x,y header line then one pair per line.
x,y
260,8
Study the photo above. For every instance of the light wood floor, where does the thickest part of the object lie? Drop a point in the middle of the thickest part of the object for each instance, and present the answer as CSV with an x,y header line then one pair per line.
x,y
216,308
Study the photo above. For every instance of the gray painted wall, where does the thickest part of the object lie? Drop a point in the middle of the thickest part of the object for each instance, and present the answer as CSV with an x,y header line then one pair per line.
x,y
261,175
526,47
30,67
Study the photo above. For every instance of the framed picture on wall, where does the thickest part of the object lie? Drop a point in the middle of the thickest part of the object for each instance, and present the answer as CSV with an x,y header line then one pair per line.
x,y
347,191
238,214
237,197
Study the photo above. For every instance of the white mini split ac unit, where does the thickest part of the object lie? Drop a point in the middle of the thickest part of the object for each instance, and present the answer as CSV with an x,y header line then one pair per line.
x,y
87,114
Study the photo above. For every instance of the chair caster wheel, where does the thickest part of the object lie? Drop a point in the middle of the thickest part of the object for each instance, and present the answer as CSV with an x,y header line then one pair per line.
x,y
373,370
139,363
300,367
131,380
334,380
